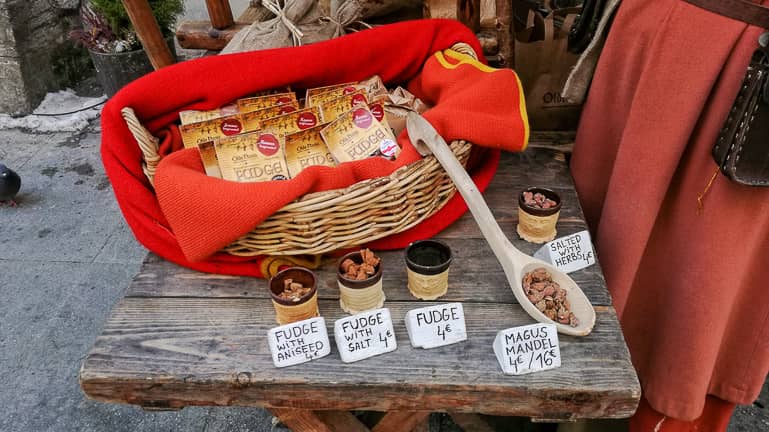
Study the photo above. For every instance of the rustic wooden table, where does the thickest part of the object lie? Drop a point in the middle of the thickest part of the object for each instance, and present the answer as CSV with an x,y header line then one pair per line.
x,y
181,338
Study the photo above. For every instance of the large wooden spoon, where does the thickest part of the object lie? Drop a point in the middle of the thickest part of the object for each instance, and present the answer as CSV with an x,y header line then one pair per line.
x,y
514,262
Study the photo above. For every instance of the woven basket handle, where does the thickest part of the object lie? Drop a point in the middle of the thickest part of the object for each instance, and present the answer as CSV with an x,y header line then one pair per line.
x,y
148,143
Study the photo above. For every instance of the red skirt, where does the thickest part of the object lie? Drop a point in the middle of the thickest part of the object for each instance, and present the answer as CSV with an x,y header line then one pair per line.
x,y
689,284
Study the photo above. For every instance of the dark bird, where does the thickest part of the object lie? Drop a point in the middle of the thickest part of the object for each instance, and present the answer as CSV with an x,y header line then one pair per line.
x,y
10,183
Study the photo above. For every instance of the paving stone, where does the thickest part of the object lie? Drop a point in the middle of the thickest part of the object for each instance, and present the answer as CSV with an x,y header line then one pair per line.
x,y
66,208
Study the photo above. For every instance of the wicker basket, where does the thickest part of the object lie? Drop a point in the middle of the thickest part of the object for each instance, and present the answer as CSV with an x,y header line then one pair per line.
x,y
327,221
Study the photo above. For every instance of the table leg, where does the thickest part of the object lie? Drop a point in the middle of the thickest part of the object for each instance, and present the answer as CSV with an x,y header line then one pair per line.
x,y
299,420
471,422
400,421
423,426
341,421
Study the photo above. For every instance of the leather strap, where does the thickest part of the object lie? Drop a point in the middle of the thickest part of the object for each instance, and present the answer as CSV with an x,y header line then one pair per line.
x,y
740,10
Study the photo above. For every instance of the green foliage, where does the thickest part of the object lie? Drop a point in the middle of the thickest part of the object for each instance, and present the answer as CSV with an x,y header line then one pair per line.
x,y
165,11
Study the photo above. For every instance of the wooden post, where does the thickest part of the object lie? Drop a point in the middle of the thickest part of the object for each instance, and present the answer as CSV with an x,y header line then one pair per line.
x,y
147,29
504,12
469,12
220,13
200,35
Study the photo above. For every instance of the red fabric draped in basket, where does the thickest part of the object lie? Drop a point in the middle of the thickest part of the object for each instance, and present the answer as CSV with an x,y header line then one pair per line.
x,y
190,216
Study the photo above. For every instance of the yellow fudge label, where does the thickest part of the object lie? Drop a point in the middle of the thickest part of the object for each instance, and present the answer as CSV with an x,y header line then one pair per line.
x,y
262,102
319,95
210,162
210,130
306,148
333,109
252,157
252,121
193,116
293,122
357,135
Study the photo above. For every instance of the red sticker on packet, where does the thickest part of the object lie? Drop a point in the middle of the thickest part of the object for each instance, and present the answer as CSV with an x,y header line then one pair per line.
x,y
284,99
268,144
347,90
377,110
362,118
285,109
358,99
306,120
231,127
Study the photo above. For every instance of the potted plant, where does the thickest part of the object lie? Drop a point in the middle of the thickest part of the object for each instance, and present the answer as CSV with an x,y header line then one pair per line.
x,y
112,43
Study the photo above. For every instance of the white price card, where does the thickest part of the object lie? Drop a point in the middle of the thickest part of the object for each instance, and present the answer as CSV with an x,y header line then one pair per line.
x,y
568,254
299,342
435,326
526,349
365,335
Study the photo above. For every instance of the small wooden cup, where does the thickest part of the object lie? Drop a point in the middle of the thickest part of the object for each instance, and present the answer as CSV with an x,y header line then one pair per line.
x,y
536,225
287,311
427,265
356,296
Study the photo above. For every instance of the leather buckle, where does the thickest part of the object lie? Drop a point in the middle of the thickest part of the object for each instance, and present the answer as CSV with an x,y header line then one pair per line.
x,y
763,42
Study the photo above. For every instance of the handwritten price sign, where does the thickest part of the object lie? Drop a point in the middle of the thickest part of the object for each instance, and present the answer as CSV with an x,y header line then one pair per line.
x,y
435,326
365,335
527,349
299,342
570,253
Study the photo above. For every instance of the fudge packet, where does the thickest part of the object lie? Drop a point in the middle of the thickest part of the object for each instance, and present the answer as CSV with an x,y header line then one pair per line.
x,y
252,157
293,122
210,130
306,148
252,121
332,109
357,135
262,102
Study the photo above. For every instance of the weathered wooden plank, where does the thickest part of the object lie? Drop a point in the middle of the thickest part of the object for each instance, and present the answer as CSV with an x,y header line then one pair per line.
x,y
475,276
179,352
401,421
220,13
147,29
202,35
301,420
553,137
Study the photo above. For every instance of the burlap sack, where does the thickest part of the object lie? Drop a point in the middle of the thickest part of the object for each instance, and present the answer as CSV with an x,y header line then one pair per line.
x,y
296,22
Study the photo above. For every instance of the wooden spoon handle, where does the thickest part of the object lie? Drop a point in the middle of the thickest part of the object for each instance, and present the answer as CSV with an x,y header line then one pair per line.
x,y
422,132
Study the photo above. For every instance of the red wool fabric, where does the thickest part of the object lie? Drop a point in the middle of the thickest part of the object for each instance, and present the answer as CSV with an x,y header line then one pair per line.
x,y
189,216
